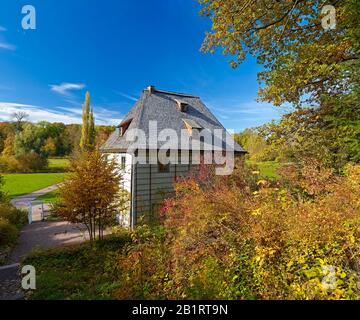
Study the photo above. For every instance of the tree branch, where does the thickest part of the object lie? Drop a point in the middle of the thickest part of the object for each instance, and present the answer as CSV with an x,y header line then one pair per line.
x,y
290,8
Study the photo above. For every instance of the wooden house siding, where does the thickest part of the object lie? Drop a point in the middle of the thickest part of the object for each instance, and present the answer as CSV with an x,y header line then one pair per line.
x,y
153,186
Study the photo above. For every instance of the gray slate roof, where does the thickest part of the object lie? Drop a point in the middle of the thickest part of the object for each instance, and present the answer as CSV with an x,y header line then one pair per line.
x,y
161,106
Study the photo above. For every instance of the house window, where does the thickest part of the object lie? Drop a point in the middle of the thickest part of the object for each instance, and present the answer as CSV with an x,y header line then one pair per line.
x,y
123,163
163,167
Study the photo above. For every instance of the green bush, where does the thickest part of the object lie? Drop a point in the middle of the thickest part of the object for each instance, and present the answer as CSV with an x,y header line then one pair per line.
x,y
32,162
3,196
11,221
15,216
8,233
9,164
29,162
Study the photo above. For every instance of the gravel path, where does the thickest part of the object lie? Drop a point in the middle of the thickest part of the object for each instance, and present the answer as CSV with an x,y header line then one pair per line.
x,y
47,235
43,233
24,201
36,235
10,283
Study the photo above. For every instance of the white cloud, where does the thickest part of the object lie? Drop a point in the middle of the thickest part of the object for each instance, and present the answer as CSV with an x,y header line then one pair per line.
x,y
3,44
239,115
127,96
106,116
65,87
102,115
77,111
7,46
37,113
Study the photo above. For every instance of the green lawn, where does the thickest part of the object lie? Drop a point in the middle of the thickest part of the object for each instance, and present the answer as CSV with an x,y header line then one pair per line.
x,y
267,168
49,197
18,184
86,271
59,164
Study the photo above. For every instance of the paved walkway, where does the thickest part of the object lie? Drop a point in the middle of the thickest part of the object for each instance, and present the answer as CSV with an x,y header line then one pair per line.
x,y
24,201
36,235
47,235
10,283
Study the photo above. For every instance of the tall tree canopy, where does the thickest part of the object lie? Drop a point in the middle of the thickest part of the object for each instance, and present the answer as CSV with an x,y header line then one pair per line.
x,y
306,63
84,140
92,134
87,141
300,57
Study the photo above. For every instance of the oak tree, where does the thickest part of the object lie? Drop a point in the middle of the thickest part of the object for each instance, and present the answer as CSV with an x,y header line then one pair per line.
x,y
314,68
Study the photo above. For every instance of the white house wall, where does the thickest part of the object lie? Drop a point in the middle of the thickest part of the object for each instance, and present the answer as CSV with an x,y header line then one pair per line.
x,y
124,217
150,186
126,173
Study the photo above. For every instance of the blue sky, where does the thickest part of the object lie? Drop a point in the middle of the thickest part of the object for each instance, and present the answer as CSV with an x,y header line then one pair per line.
x,y
114,49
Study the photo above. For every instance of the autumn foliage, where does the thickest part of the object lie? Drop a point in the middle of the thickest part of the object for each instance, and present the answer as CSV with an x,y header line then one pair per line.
x,y
228,238
92,194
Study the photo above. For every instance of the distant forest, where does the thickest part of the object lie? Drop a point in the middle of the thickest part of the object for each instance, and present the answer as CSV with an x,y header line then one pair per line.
x,y
26,146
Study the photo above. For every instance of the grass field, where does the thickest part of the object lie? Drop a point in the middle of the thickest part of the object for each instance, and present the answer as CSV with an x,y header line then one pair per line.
x,y
84,271
20,184
58,164
49,197
267,168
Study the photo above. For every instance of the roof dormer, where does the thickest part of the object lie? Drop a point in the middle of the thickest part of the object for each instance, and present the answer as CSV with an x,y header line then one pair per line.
x,y
123,127
182,105
192,125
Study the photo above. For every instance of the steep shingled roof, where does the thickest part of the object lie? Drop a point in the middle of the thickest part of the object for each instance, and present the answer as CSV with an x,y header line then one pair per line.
x,y
161,106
